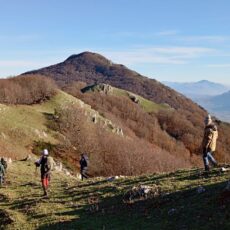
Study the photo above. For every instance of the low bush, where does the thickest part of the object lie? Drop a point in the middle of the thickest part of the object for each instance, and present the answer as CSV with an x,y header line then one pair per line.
x,y
26,89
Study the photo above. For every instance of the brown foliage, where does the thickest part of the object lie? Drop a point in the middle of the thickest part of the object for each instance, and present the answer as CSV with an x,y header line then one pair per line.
x,y
111,154
129,115
26,89
176,131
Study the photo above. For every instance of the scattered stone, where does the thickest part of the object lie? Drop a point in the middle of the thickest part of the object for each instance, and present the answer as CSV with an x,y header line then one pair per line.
x,y
78,176
110,179
142,192
58,166
172,211
200,190
223,169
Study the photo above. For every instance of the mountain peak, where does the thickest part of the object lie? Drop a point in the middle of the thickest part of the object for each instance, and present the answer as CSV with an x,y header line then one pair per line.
x,y
204,81
89,56
94,68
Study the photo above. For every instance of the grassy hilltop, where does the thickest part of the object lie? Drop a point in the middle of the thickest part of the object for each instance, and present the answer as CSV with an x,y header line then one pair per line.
x,y
21,125
99,204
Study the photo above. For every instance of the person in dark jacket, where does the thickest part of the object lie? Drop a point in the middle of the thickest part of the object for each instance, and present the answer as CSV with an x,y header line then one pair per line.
x,y
2,174
4,163
45,167
84,166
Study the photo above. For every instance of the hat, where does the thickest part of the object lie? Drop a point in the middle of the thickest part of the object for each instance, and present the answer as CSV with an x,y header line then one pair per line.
x,y
208,119
45,152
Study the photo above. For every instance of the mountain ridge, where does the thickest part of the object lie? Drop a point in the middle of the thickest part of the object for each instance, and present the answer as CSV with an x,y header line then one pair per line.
x,y
212,96
94,68
199,88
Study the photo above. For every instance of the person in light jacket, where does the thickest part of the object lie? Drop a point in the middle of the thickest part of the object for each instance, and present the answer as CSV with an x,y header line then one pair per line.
x,y
209,142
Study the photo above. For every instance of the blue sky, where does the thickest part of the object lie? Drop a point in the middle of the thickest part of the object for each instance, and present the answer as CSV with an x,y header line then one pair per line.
x,y
172,40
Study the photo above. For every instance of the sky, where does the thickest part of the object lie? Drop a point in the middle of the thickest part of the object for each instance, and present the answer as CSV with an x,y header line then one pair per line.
x,y
168,40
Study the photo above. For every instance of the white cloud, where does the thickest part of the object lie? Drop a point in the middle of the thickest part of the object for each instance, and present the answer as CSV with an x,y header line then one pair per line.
x,y
204,38
158,55
23,63
167,33
219,65
15,63
19,38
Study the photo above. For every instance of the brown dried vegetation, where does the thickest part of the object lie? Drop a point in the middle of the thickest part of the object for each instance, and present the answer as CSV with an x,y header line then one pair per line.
x,y
175,131
26,89
111,154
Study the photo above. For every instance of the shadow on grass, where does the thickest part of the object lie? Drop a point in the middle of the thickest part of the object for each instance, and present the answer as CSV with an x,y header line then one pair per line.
x,y
185,210
197,174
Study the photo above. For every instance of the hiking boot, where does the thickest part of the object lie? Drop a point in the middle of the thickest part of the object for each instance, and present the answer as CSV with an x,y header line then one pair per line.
x,y
45,194
207,169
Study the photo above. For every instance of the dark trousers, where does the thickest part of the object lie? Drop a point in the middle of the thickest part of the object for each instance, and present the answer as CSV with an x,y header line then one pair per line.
x,y
1,179
84,173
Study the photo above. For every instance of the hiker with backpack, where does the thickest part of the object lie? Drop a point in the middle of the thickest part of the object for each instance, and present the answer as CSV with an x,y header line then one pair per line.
x,y
46,164
2,174
84,166
209,142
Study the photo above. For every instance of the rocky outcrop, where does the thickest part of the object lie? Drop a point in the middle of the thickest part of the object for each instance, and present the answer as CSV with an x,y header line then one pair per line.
x,y
105,88
134,98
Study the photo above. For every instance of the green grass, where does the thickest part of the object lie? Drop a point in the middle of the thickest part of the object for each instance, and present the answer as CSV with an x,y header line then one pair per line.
x,y
59,100
22,125
69,207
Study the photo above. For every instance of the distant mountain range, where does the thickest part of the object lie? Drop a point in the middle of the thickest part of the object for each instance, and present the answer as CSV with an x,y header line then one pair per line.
x,y
214,97
218,105
197,89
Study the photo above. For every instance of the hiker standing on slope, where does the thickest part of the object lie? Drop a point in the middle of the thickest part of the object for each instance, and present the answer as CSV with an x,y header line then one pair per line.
x,y
84,166
2,174
4,163
46,164
209,142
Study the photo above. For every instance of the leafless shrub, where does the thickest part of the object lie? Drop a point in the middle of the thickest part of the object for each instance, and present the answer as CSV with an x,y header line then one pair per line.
x,y
111,154
26,89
